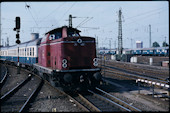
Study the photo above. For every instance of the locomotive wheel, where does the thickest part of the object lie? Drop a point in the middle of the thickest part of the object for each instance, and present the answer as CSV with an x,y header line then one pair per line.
x,y
35,71
44,76
52,82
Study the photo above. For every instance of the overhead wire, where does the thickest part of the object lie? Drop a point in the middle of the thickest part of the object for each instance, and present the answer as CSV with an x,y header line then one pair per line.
x,y
66,11
83,22
145,13
87,19
27,6
53,11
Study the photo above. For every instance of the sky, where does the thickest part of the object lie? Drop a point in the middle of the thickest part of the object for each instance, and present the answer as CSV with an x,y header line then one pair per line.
x,y
98,19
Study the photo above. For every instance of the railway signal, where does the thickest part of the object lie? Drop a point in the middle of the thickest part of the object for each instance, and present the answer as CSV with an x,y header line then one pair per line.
x,y
17,29
17,23
18,41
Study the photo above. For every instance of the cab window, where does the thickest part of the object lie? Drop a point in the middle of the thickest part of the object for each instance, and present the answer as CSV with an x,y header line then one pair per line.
x,y
54,36
72,33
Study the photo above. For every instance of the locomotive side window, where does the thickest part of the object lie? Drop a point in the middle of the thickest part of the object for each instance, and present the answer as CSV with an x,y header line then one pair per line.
x,y
58,35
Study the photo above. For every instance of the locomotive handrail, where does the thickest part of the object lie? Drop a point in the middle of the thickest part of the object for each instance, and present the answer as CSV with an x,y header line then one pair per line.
x,y
73,70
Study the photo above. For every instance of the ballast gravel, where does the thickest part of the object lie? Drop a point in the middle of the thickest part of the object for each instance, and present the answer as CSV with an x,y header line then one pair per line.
x,y
50,100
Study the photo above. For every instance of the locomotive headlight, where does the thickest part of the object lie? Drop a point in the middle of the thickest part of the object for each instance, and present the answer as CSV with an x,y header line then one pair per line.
x,y
79,41
64,63
95,61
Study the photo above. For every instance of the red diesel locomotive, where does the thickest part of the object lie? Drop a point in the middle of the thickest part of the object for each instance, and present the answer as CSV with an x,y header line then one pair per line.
x,y
67,59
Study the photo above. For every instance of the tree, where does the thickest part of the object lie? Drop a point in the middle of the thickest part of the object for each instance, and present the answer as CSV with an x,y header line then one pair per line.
x,y
155,44
164,44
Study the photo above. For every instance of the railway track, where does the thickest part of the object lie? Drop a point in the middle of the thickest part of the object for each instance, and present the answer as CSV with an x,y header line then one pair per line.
x,y
100,101
135,69
121,72
18,99
88,107
132,76
4,74
12,102
145,88
146,80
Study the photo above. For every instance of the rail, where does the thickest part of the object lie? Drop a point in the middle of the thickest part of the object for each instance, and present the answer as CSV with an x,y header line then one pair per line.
x,y
139,76
16,95
25,106
110,101
4,77
123,103
15,89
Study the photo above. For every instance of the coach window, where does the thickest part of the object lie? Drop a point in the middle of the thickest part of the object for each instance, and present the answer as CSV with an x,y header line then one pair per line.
x,y
22,52
30,51
19,51
27,51
33,51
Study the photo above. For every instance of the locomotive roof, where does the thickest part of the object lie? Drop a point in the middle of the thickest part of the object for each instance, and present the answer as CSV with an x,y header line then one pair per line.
x,y
60,29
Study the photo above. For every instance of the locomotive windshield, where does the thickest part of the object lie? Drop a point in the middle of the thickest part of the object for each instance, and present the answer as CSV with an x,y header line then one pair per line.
x,y
72,33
